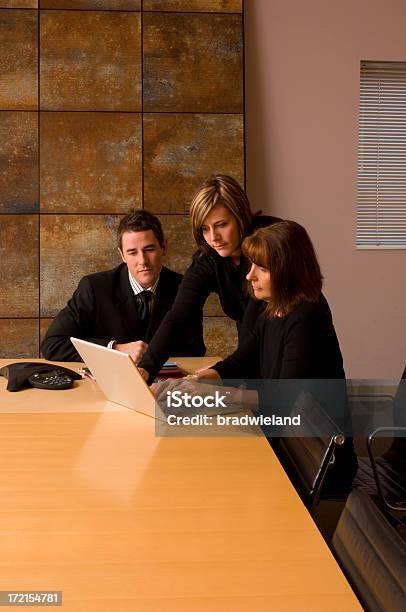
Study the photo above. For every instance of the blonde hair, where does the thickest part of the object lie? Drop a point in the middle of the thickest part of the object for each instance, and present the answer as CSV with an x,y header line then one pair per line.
x,y
219,189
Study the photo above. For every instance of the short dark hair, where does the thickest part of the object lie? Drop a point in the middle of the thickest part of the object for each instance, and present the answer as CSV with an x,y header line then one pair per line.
x,y
140,221
287,251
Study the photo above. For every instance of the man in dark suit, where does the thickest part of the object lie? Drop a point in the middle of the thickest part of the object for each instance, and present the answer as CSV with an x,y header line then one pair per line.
x,y
122,308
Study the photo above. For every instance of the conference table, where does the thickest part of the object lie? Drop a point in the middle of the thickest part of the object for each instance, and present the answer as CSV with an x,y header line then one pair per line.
x,y
95,505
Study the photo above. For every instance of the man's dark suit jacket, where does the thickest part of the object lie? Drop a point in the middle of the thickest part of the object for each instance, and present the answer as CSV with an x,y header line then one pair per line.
x,y
103,308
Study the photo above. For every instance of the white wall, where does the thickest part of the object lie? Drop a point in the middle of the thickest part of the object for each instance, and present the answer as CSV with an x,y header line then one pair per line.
x,y
302,99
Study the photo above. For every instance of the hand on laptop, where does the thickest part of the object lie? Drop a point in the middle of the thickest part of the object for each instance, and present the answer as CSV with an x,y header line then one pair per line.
x,y
188,385
144,374
206,373
134,349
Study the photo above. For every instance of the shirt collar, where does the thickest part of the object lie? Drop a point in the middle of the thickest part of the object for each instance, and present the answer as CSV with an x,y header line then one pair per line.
x,y
136,287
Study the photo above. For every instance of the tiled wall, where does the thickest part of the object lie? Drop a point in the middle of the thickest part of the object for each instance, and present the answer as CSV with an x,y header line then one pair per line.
x,y
107,105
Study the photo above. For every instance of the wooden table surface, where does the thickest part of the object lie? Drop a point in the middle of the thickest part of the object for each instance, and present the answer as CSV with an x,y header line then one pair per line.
x,y
95,505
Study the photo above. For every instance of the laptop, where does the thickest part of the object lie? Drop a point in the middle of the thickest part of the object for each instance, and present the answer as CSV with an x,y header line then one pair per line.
x,y
118,378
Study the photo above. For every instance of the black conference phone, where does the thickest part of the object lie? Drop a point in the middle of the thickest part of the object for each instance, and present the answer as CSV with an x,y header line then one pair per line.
x,y
41,375
54,379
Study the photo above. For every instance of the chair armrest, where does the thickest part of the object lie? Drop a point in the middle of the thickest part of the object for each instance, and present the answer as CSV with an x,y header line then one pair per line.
x,y
400,506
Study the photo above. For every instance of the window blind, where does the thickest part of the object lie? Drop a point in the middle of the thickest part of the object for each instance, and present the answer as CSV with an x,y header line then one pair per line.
x,y
381,211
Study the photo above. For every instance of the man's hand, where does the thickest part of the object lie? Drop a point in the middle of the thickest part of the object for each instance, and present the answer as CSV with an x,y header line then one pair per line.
x,y
145,375
134,349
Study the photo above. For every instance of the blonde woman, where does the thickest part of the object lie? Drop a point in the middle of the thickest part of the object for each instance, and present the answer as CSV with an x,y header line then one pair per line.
x,y
221,218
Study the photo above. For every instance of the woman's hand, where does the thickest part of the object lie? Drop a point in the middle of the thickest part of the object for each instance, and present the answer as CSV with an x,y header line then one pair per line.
x,y
206,373
162,388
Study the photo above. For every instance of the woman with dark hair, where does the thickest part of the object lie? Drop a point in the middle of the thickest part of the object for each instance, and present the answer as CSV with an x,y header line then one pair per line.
x,y
221,218
294,336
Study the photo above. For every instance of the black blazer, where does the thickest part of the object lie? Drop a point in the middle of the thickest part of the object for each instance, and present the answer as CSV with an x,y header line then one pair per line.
x,y
302,344
103,308
208,273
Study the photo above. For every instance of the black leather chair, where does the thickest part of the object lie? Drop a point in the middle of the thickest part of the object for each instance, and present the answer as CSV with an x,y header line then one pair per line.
x,y
390,470
382,474
372,554
310,458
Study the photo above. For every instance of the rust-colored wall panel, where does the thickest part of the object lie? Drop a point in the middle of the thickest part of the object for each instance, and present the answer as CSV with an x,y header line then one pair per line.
x,y
19,338
90,60
72,246
110,5
212,308
193,62
19,4
18,162
220,336
181,245
90,162
180,151
43,328
18,266
194,6
18,59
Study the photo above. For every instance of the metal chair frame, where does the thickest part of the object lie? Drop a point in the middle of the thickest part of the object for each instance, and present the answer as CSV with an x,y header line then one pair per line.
x,y
372,436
